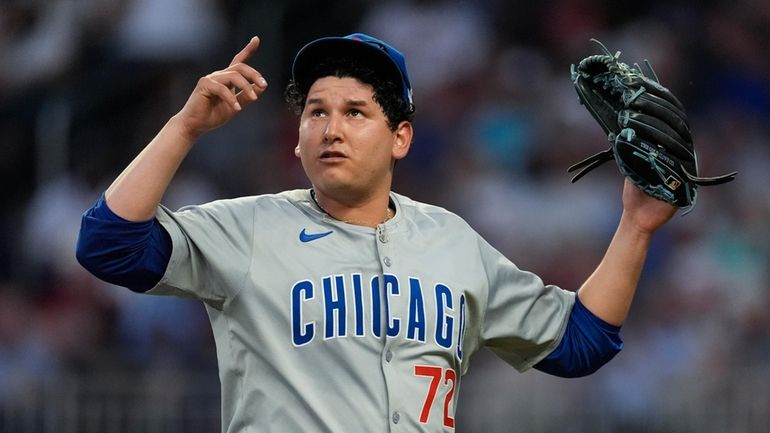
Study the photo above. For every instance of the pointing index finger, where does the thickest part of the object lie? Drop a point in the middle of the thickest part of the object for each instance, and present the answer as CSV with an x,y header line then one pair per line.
x,y
246,52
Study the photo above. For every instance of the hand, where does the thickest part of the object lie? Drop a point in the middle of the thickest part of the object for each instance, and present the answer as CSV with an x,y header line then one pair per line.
x,y
222,94
646,213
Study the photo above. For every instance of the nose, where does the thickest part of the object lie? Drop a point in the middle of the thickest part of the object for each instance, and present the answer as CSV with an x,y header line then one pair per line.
x,y
333,130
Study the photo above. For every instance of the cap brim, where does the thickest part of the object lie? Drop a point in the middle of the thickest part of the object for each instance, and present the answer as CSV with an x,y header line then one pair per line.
x,y
305,71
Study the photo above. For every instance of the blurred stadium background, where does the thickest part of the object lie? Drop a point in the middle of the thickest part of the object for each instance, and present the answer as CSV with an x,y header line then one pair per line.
x,y
84,84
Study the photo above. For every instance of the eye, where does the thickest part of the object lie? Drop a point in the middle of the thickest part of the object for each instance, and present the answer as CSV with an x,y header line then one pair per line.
x,y
317,113
355,113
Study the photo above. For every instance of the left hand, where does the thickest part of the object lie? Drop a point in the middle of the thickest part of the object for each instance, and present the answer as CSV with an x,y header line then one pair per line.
x,y
646,213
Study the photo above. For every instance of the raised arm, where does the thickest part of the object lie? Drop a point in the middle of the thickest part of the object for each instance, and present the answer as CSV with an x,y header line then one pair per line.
x,y
217,97
609,291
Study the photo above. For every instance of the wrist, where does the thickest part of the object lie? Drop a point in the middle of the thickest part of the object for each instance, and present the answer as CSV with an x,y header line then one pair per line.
x,y
181,128
631,225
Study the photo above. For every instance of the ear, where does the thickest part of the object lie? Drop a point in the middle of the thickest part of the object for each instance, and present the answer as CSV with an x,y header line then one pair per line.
x,y
296,151
402,139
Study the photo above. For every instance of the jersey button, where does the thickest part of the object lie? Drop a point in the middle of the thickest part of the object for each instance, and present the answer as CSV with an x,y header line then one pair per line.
x,y
382,235
396,417
387,261
388,355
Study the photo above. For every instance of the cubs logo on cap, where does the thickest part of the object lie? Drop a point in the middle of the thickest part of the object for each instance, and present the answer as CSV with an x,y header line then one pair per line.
x,y
384,58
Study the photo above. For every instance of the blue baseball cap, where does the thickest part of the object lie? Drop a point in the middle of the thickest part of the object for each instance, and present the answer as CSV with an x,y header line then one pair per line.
x,y
384,58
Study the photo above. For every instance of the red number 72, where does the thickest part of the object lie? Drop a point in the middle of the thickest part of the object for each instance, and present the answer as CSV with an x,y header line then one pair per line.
x,y
435,373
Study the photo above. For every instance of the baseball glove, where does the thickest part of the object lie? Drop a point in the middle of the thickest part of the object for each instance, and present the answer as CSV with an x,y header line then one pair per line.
x,y
646,125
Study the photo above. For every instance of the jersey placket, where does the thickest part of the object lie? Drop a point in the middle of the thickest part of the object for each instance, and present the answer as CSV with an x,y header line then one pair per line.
x,y
387,264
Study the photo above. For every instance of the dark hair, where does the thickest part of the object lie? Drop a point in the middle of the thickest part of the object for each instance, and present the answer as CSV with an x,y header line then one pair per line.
x,y
387,94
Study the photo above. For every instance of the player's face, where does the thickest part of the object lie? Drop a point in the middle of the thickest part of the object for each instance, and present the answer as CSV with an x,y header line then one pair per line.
x,y
345,144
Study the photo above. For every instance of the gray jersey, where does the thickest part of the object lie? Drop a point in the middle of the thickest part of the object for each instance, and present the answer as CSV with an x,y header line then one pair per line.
x,y
326,326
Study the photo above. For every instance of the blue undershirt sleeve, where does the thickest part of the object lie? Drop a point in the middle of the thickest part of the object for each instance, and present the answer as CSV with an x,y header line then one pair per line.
x,y
130,254
588,343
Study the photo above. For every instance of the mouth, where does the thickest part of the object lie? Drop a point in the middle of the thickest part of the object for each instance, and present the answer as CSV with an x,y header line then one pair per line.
x,y
332,155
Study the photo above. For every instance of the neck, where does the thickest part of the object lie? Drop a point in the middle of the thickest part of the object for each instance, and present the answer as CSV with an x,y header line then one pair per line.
x,y
370,213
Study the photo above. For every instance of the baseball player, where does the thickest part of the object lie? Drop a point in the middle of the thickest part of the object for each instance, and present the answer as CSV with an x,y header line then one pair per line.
x,y
346,307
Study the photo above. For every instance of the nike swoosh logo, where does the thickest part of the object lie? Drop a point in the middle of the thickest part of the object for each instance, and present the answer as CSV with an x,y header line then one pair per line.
x,y
307,237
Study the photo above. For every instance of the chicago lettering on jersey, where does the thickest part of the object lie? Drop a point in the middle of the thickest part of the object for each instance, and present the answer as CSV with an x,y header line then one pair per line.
x,y
345,301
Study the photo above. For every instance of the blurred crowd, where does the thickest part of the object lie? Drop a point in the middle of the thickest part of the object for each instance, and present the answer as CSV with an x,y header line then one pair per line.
x,y
85,84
